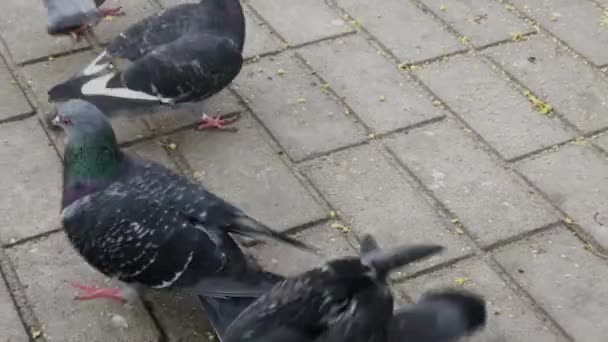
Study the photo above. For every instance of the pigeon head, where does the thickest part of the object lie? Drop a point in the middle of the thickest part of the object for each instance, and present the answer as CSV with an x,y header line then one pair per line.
x,y
79,117
380,263
471,306
91,150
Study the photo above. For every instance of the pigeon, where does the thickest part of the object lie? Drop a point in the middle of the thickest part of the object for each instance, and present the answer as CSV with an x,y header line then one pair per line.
x,y
439,316
76,17
139,222
185,53
348,299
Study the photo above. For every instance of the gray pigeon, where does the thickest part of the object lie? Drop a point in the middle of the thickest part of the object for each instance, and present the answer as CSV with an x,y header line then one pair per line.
x,y
76,17
185,53
439,316
347,300
139,222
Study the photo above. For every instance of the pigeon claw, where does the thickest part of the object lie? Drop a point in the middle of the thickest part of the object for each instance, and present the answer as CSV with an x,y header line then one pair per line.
x,y
93,292
111,12
219,121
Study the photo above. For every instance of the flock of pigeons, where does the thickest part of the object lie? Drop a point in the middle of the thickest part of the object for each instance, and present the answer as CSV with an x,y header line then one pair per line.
x,y
137,221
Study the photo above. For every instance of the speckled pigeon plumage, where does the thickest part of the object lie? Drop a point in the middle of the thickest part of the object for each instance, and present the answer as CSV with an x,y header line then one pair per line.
x,y
348,299
185,53
139,222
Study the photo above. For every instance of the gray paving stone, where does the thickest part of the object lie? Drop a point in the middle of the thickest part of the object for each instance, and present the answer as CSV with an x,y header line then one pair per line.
x,y
42,76
509,318
371,196
180,316
577,23
39,43
317,125
483,22
572,88
152,150
492,204
576,179
167,119
293,21
10,325
13,100
602,141
493,108
43,266
566,280
31,181
243,169
258,39
286,260
356,72
425,37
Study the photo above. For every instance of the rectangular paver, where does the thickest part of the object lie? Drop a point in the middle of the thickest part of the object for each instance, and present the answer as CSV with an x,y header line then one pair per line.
x,y
576,179
509,318
244,169
564,278
291,103
10,324
334,244
492,107
491,203
578,23
44,266
31,181
360,76
483,22
575,90
180,316
13,100
390,22
39,43
371,196
294,22
152,150
258,39
44,75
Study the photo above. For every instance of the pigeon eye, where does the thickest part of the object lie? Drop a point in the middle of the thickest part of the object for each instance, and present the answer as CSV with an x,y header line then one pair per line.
x,y
66,121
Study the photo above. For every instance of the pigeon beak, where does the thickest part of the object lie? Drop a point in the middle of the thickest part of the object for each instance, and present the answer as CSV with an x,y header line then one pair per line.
x,y
55,122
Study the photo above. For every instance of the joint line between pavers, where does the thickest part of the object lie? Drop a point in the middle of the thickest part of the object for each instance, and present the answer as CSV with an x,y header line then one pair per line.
x,y
521,292
32,238
480,251
27,316
575,228
534,23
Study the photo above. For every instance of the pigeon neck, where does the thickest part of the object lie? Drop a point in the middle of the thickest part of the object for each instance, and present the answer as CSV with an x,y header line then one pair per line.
x,y
90,157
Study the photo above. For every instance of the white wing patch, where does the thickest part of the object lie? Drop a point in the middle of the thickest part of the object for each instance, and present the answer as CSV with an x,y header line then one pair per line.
x,y
93,68
97,86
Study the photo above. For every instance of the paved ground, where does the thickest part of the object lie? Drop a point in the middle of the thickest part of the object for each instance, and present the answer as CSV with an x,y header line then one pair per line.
x,y
414,120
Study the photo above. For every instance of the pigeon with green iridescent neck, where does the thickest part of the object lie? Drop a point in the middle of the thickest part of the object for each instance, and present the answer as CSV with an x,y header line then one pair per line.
x,y
139,222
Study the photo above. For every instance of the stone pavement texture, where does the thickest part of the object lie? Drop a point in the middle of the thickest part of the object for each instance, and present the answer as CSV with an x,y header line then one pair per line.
x,y
414,120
